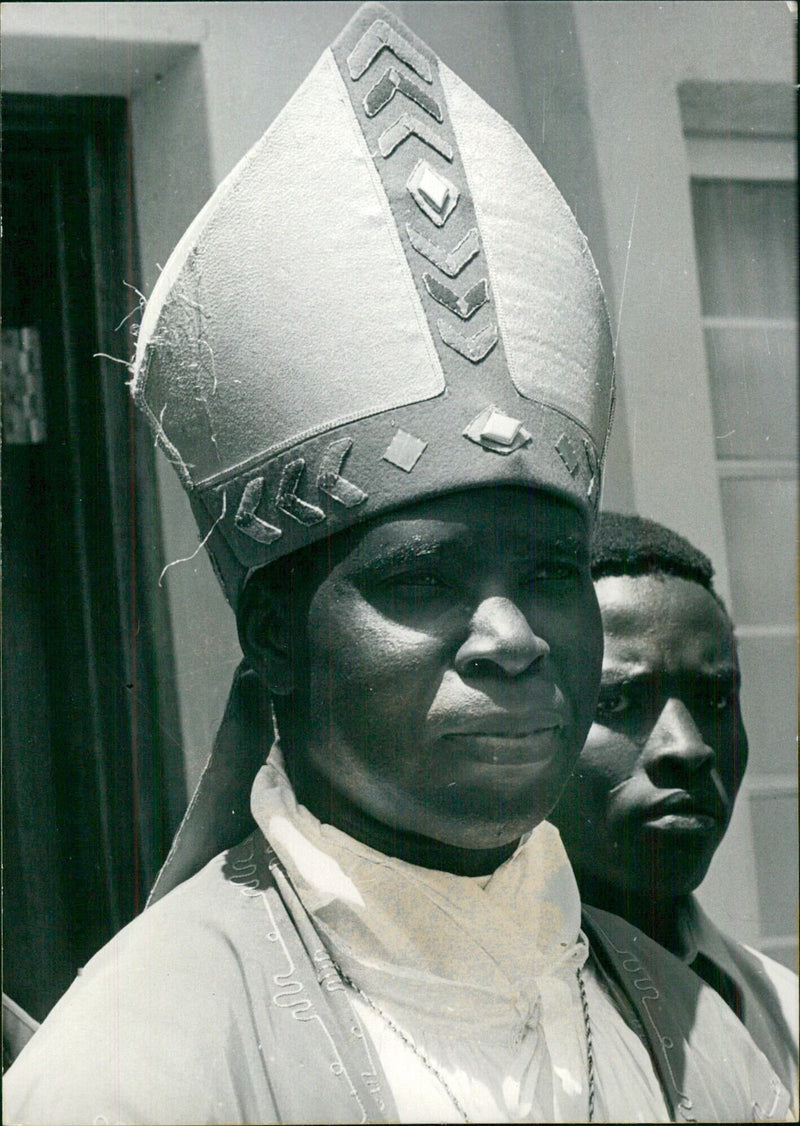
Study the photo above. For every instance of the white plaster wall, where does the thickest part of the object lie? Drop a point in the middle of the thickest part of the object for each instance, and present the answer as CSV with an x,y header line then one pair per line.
x,y
634,56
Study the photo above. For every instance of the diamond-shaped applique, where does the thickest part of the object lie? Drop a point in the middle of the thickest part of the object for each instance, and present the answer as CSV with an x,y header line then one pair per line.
x,y
434,190
497,431
591,460
501,428
568,453
404,450
433,193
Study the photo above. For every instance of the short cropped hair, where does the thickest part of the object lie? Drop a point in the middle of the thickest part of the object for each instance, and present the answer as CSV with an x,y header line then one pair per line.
x,y
632,545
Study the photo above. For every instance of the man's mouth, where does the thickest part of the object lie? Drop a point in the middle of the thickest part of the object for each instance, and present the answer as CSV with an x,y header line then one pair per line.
x,y
681,811
506,725
504,740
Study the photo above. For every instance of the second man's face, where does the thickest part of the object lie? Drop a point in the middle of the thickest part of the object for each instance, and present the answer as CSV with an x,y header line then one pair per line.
x,y
655,784
452,660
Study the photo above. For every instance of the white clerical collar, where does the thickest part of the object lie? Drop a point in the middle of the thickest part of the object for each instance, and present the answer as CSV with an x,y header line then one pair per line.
x,y
432,946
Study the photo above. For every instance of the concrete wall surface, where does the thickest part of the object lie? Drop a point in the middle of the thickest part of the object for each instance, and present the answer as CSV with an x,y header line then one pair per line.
x,y
637,59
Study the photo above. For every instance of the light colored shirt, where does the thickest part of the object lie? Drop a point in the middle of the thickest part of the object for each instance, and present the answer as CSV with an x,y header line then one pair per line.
x,y
770,993
467,987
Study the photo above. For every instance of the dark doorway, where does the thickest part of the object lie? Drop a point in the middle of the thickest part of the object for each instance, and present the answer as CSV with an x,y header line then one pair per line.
x,y
92,767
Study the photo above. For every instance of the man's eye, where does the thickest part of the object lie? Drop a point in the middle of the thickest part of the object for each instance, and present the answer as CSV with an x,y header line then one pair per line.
x,y
417,581
612,704
554,571
717,697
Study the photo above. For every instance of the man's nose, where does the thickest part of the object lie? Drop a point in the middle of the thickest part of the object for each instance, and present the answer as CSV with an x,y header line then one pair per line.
x,y
500,641
677,740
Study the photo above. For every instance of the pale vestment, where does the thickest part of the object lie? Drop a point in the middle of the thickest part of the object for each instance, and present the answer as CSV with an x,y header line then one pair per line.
x,y
480,974
222,1002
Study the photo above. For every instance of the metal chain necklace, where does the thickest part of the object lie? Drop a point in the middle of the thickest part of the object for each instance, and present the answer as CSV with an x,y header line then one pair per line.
x,y
438,1075
410,1043
587,1024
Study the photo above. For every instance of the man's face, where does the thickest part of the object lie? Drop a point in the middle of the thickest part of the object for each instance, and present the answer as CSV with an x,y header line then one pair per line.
x,y
452,658
655,784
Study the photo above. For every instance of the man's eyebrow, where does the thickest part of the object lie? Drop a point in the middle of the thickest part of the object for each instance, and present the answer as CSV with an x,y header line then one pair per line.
x,y
534,549
412,551
619,675
724,668
399,555
559,541
726,673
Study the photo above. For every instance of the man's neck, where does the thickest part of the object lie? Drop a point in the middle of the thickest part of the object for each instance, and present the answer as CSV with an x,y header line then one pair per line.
x,y
331,807
658,917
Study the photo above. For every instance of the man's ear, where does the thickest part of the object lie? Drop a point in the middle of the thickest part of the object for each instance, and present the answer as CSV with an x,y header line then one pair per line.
x,y
264,621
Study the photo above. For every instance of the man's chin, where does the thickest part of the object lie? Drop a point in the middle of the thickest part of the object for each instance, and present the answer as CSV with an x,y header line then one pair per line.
x,y
677,874
483,837
480,827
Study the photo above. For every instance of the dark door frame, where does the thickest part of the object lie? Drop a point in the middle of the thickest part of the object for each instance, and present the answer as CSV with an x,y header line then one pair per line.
x,y
124,793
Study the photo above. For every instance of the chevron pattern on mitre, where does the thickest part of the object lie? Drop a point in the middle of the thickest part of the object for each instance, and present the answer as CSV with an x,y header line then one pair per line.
x,y
381,37
415,150
465,306
391,83
330,479
474,348
435,194
407,125
247,521
289,502
450,262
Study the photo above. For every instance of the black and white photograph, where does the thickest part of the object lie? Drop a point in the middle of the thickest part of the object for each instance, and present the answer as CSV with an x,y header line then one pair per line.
x,y
399,561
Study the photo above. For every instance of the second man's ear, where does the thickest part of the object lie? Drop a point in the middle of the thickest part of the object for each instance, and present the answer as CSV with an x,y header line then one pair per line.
x,y
264,621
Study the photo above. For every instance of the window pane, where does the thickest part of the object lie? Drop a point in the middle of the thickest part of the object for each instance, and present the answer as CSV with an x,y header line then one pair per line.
x,y
775,839
754,390
769,685
759,520
746,247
